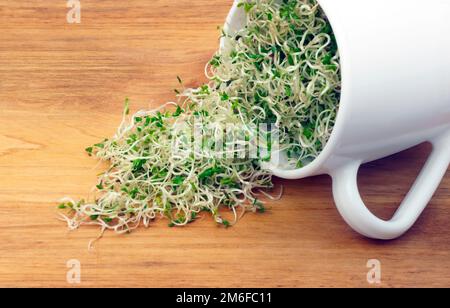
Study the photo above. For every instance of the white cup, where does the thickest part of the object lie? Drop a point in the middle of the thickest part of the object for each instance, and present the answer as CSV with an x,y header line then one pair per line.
x,y
395,63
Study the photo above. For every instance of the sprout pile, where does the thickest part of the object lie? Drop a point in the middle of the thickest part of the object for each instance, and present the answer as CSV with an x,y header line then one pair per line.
x,y
282,69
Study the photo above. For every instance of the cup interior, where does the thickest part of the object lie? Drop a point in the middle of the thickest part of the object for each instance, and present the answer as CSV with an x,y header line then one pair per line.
x,y
237,20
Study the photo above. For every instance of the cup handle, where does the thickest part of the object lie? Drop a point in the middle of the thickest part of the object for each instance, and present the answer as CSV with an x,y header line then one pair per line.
x,y
355,213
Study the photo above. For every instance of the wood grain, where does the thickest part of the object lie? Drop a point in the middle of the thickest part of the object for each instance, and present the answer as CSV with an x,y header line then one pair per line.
x,y
62,88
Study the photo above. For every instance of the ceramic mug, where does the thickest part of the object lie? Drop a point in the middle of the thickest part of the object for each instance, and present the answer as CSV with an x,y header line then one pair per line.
x,y
395,66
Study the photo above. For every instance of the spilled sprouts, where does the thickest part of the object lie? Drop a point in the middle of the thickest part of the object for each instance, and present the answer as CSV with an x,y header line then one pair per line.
x,y
281,69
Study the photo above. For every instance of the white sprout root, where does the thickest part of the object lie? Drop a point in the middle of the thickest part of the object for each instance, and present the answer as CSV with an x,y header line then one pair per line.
x,y
282,68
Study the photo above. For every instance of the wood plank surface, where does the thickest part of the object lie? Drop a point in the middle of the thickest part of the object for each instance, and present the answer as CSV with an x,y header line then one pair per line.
x,y
62,88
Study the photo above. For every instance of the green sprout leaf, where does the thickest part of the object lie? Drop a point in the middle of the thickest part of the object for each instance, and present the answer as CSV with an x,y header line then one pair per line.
x,y
209,173
178,180
248,6
89,150
127,106
138,164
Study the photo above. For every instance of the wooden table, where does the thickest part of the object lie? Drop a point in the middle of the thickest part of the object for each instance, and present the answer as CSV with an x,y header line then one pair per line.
x,y
62,88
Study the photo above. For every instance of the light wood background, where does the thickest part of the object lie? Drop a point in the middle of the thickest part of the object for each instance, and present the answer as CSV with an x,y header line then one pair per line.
x,y
62,88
